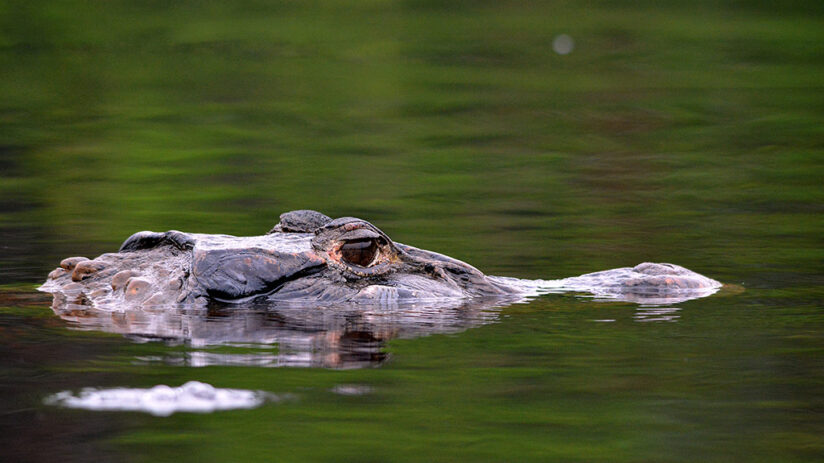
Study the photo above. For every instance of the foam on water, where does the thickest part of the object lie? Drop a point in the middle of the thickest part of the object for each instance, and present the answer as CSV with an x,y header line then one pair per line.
x,y
162,400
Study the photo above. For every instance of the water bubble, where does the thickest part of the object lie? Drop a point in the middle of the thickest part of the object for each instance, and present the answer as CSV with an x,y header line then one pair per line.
x,y
563,44
351,389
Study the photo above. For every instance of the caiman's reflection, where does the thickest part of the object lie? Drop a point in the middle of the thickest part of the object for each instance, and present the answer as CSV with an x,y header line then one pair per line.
x,y
341,335
271,335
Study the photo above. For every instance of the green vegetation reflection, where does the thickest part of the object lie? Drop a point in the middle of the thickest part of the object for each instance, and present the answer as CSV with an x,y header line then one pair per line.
x,y
683,132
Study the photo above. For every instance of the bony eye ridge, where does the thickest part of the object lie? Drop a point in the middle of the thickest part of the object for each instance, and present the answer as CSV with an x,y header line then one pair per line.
x,y
360,252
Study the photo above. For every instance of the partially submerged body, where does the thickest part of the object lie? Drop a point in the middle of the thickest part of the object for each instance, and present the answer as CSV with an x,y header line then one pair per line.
x,y
310,258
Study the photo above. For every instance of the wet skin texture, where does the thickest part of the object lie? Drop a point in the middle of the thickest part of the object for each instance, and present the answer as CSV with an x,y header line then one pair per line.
x,y
309,257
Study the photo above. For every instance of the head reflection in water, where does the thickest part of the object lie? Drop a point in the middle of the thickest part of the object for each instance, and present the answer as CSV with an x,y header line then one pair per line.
x,y
294,334
341,336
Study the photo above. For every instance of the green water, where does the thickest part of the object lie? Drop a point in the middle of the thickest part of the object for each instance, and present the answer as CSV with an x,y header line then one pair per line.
x,y
689,133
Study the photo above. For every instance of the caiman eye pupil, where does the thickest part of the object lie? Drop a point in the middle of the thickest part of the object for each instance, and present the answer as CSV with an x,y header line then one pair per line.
x,y
359,252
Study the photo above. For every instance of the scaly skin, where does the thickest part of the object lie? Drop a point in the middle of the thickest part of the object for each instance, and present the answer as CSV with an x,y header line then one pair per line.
x,y
307,258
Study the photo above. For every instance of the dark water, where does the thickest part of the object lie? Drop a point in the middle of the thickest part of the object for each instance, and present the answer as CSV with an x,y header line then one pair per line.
x,y
692,134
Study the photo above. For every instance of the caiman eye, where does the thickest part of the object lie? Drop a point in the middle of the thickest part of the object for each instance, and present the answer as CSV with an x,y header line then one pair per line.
x,y
359,252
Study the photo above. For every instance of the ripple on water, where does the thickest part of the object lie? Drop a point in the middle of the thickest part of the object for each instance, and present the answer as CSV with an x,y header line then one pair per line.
x,y
162,400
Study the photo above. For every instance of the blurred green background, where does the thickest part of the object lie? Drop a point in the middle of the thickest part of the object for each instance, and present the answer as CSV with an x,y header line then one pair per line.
x,y
690,132
453,125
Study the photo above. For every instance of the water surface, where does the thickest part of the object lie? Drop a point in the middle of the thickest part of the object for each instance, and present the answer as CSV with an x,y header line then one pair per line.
x,y
688,134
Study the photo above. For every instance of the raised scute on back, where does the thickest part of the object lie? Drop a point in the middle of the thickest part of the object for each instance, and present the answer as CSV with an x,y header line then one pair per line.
x,y
300,221
149,240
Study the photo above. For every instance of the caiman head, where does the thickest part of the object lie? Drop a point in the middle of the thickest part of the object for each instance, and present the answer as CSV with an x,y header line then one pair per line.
x,y
306,257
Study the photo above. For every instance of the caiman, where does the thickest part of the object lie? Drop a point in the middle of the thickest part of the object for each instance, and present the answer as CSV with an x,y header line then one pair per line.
x,y
309,257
